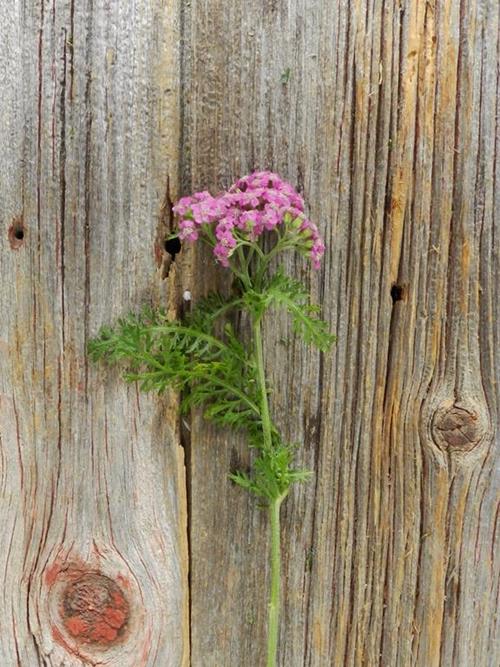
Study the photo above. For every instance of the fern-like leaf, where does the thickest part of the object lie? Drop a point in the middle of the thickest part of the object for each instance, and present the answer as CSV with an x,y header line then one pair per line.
x,y
286,292
216,373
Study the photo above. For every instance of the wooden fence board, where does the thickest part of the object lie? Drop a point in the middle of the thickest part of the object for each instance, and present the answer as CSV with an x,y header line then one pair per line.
x,y
384,114
91,474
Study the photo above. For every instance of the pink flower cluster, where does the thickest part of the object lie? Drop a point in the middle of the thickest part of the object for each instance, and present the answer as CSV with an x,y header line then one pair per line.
x,y
255,203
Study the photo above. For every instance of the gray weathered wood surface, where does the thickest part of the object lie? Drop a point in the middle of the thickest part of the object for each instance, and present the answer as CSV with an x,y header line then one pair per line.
x,y
385,116
388,123
91,480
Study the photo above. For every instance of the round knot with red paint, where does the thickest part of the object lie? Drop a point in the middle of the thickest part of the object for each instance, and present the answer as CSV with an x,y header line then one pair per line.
x,y
94,610
458,427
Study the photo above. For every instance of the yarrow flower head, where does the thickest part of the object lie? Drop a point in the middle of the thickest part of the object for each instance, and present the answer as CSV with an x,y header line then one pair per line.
x,y
258,203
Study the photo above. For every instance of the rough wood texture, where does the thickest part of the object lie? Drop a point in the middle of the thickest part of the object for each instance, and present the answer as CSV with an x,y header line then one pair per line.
x,y
387,122
91,479
385,115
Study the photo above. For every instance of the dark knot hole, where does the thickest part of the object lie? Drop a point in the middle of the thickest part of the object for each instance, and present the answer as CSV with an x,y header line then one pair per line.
x,y
173,246
397,293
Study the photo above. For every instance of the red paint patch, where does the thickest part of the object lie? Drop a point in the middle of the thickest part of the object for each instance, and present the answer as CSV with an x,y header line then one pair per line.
x,y
64,569
76,626
94,609
118,599
115,617
102,632
51,574
123,581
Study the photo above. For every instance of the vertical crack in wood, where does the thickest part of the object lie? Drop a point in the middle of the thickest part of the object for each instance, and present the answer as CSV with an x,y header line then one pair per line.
x,y
184,186
87,109
177,274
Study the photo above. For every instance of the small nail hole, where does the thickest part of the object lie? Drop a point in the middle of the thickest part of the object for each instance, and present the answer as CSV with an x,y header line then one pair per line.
x,y
16,233
173,246
397,293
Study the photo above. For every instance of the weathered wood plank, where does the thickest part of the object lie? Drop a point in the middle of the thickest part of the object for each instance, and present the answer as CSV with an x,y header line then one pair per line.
x,y
388,123
91,476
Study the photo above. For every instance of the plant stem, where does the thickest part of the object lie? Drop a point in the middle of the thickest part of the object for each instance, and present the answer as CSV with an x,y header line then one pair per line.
x,y
274,509
261,374
274,602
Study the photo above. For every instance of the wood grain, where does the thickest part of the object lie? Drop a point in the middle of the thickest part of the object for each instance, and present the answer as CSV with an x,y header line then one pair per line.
x,y
91,474
388,124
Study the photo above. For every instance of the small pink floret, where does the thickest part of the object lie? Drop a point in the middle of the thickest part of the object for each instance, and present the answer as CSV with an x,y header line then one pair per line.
x,y
187,230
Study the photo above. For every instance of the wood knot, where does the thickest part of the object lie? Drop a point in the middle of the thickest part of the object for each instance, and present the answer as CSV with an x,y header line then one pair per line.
x,y
94,610
458,427
16,233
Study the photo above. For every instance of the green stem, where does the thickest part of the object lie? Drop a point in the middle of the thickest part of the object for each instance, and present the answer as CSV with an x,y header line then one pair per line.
x,y
261,374
274,508
274,601
244,266
282,244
